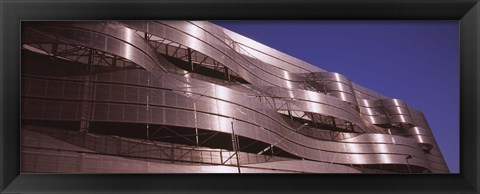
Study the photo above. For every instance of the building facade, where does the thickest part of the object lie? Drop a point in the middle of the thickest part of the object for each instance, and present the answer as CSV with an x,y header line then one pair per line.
x,y
193,97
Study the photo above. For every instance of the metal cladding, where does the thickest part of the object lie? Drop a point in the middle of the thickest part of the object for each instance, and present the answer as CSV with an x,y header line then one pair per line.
x,y
185,77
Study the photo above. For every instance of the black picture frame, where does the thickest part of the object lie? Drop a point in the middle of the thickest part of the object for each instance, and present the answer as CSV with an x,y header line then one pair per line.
x,y
13,12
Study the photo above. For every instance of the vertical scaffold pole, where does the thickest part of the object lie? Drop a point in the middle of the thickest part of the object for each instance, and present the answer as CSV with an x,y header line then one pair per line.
x,y
88,90
196,122
148,107
235,146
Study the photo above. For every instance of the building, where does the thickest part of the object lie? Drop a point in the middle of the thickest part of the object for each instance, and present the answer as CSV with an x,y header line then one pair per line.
x,y
193,97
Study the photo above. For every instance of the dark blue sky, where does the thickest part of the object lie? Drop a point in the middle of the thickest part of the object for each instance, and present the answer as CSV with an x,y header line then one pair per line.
x,y
416,61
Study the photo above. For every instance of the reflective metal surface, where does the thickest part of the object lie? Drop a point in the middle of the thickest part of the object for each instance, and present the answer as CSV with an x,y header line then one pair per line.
x,y
193,76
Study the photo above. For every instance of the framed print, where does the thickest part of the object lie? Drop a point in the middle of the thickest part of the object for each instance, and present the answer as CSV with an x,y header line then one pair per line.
x,y
163,97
